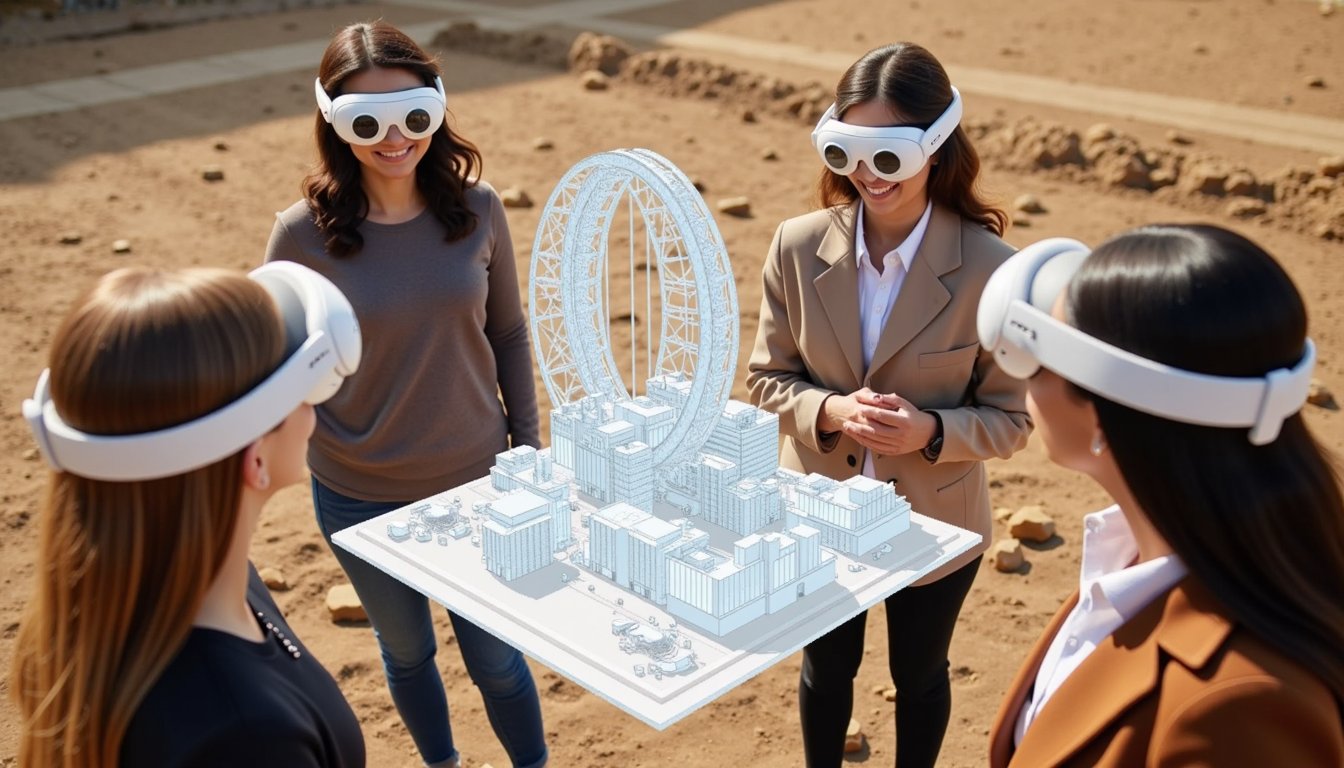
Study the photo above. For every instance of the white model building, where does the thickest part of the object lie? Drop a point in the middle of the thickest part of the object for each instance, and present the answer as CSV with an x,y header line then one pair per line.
x,y
632,547
517,537
766,574
853,516
748,437
526,469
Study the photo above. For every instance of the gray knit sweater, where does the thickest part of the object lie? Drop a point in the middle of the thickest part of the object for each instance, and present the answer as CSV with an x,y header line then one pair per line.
x,y
445,338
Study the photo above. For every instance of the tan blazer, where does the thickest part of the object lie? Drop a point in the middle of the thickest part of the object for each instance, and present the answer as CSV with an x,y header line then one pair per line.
x,y
808,346
1180,684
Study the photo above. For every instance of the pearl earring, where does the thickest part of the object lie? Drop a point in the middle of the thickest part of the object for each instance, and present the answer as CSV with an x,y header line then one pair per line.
x,y
1098,445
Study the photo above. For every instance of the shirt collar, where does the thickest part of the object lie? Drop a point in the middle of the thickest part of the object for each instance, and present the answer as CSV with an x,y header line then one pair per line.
x,y
905,251
1108,573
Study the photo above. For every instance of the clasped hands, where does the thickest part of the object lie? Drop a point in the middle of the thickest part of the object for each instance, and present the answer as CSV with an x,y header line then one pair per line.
x,y
886,424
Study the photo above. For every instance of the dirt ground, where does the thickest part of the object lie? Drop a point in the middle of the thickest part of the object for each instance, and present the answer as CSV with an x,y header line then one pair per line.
x,y
132,170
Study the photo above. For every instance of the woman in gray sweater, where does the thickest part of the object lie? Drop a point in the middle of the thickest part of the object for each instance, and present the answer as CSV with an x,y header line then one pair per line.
x,y
395,218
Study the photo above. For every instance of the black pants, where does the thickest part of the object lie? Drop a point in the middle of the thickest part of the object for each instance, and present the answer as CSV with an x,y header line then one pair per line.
x,y
920,621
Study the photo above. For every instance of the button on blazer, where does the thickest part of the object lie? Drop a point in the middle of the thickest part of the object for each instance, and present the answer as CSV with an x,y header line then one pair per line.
x,y
808,346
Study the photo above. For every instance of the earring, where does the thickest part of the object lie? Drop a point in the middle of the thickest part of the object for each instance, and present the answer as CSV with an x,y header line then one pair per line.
x,y
1098,444
263,481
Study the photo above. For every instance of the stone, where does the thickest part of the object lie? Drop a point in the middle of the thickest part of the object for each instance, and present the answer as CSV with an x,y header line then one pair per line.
x,y
274,579
1162,177
1319,396
1007,555
600,53
1001,514
121,246
220,145
31,454
514,197
889,694
853,737
543,144
1028,204
1032,524
1241,183
748,116
770,155
1314,81
71,237
1021,220
1245,209
1322,187
735,206
1205,177
593,80
1176,137
343,604
1098,133
1331,166
212,173
1327,7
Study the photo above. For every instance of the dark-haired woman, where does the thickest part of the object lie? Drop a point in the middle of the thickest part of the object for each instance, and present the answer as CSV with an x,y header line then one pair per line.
x,y
867,350
394,216
1207,629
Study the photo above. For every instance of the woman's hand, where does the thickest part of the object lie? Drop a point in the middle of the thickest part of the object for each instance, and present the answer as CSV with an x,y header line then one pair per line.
x,y
886,424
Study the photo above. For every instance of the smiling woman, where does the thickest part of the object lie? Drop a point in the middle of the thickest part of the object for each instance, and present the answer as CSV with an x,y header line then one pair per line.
x,y
394,215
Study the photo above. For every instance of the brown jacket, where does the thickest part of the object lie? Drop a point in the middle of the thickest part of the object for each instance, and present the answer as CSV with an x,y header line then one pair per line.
x,y
1180,684
808,346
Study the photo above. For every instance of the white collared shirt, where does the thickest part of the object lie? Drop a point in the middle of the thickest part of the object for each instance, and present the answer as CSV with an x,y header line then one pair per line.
x,y
878,291
1110,593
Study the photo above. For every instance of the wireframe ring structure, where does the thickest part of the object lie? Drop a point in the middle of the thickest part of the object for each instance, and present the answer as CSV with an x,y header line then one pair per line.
x,y
698,337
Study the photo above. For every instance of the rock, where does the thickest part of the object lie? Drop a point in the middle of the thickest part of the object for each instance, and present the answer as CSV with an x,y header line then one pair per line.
x,y
121,246
1321,186
1176,137
1206,177
274,579
1128,171
343,604
1021,220
514,197
31,454
1331,166
1241,183
1327,7
1028,204
71,237
601,53
1319,396
698,183
889,694
770,155
735,206
748,116
1163,177
853,737
1098,133
1314,81
212,173
1001,514
1007,555
543,144
220,145
594,81
1245,209
1032,524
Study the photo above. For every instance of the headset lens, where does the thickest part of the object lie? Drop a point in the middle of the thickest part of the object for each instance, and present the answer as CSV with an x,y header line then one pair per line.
x,y
886,162
417,121
836,157
365,126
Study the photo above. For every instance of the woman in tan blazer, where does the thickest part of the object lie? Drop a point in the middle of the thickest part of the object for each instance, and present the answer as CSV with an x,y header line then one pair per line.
x,y
867,350
1208,625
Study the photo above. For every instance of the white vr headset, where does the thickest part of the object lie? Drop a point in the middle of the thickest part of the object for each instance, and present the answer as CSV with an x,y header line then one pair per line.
x,y
363,118
1015,323
894,153
317,317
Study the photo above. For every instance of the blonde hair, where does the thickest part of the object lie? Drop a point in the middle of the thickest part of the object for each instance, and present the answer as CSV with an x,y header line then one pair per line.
x,y
122,566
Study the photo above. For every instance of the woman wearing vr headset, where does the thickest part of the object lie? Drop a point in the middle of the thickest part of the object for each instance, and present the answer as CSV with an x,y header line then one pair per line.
x,y
149,638
394,216
1207,627
867,350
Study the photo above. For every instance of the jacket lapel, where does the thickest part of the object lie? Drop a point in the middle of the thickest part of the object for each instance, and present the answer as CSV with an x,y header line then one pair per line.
x,y
838,288
1005,722
923,294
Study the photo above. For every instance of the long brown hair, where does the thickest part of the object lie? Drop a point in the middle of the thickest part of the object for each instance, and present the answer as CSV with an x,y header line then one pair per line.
x,y
1262,526
449,168
122,566
911,83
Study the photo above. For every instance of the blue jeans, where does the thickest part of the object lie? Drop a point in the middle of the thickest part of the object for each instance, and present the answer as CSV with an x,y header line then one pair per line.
x,y
402,623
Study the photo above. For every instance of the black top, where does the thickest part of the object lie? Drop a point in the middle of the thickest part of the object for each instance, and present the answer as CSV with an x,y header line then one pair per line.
x,y
227,701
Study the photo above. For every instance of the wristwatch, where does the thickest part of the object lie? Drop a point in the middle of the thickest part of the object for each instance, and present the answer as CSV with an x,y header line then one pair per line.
x,y
935,447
